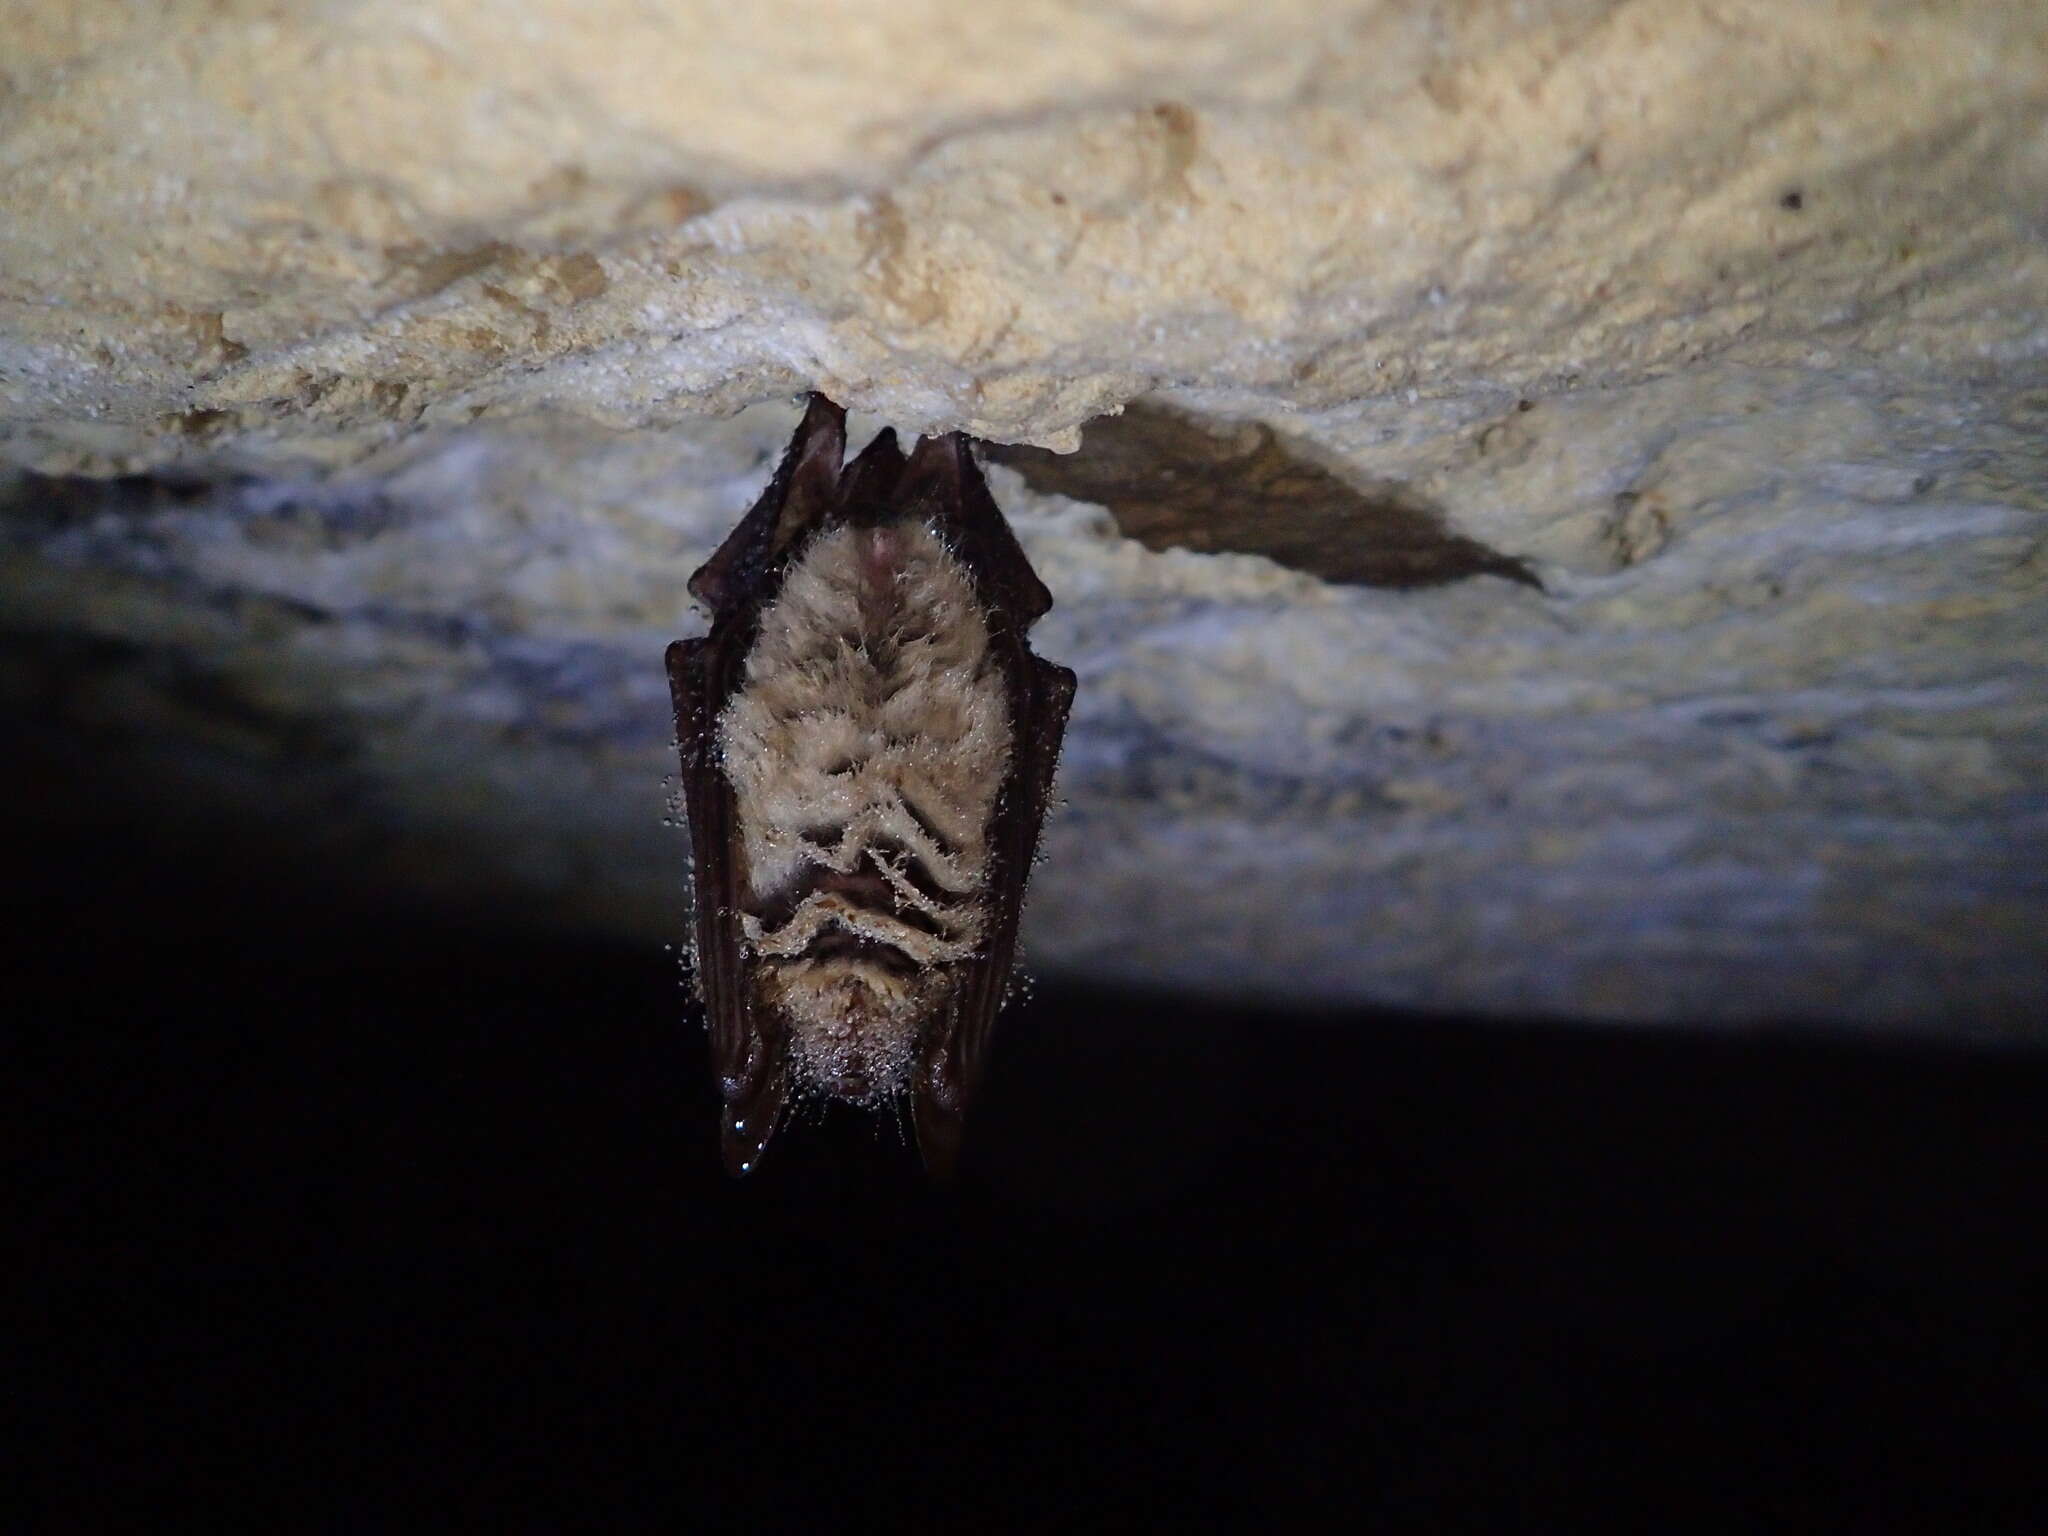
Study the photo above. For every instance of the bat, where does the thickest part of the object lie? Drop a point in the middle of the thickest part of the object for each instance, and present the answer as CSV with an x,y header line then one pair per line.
x,y
868,744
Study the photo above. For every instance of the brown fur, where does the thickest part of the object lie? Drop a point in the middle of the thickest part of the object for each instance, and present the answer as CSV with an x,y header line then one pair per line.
x,y
867,743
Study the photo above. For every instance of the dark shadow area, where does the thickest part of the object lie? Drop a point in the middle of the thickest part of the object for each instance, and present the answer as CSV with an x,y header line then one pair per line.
x,y
338,1215
1175,481
33,504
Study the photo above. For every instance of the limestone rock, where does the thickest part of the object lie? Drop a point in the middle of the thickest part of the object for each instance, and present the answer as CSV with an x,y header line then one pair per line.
x,y
420,332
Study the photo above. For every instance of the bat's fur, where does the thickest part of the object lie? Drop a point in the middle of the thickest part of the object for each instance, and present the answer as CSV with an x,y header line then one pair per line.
x,y
865,749
867,745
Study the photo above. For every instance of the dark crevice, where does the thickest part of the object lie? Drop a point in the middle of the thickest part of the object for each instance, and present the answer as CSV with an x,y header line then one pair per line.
x,y
1175,481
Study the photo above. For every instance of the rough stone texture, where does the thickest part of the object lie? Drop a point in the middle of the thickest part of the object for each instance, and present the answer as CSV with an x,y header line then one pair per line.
x,y
430,320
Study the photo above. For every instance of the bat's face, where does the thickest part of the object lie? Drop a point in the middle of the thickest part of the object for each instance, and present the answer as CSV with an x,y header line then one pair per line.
x,y
867,748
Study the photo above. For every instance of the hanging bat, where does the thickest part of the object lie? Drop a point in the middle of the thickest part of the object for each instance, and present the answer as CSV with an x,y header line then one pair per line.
x,y
867,748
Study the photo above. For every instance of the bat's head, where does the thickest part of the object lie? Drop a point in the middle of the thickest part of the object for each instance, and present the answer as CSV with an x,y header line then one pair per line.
x,y
856,1011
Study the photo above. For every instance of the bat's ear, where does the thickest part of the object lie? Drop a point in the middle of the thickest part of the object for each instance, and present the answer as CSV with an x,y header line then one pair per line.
x,y
752,1122
943,481
805,489
868,488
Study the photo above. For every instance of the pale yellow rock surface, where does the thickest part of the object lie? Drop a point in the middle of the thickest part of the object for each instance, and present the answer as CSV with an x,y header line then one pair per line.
x,y
1731,317
303,229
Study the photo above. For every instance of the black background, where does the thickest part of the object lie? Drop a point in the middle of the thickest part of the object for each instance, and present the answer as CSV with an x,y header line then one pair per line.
x,y
356,1217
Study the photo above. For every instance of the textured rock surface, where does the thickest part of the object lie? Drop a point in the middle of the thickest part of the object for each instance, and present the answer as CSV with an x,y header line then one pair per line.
x,y
1729,318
